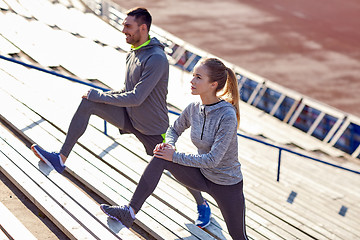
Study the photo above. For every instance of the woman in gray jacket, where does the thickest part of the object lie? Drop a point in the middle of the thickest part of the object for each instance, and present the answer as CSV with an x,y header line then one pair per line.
x,y
215,169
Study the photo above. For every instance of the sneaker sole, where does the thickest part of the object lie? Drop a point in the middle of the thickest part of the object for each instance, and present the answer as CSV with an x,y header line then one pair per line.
x,y
205,224
41,157
112,217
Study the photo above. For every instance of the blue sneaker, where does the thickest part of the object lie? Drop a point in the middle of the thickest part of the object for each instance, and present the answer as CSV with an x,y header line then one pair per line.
x,y
51,159
204,215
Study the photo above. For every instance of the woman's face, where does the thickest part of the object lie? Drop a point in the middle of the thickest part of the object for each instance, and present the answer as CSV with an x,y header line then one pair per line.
x,y
200,82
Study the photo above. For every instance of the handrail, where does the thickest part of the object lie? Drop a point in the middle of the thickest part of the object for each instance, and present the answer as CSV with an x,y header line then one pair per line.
x,y
176,113
52,72
287,150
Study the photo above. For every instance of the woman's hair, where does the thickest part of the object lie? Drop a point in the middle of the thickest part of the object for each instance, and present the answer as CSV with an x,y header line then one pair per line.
x,y
227,82
142,16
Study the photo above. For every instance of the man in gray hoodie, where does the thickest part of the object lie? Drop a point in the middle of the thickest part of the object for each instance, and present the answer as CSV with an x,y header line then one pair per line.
x,y
139,108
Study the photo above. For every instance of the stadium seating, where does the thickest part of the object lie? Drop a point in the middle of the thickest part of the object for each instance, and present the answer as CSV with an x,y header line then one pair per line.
x,y
311,200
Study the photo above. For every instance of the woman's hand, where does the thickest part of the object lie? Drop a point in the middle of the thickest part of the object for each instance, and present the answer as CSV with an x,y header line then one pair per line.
x,y
164,151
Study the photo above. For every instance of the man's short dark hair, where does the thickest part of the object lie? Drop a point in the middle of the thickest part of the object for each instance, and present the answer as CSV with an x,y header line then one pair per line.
x,y
142,16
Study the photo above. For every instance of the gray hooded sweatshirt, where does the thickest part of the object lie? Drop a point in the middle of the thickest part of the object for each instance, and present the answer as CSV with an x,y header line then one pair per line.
x,y
145,90
214,133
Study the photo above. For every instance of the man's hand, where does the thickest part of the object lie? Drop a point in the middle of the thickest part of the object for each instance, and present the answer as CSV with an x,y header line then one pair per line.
x,y
86,95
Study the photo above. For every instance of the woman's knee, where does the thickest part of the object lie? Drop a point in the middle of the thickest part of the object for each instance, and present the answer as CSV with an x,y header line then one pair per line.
x,y
158,161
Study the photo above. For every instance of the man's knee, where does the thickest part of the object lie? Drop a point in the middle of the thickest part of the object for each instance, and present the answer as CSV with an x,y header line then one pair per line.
x,y
85,103
88,106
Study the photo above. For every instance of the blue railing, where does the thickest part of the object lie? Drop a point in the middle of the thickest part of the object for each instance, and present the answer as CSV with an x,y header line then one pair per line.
x,y
287,150
176,113
52,72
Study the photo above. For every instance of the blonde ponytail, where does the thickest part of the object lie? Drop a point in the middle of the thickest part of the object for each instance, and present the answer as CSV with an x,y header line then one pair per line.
x,y
231,92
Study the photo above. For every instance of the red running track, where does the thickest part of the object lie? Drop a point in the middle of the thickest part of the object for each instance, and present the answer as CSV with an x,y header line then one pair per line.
x,y
312,47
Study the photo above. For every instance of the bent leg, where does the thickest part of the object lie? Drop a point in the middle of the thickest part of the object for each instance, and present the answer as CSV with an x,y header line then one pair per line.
x,y
114,115
199,199
189,176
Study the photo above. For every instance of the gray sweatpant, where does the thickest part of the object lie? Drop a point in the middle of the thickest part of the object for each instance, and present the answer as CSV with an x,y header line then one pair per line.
x,y
118,117
230,198
115,115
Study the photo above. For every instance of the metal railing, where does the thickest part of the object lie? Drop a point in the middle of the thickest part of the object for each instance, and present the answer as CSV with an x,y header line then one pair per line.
x,y
289,151
281,149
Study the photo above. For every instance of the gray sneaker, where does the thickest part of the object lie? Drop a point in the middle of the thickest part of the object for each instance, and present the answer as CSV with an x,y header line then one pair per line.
x,y
119,213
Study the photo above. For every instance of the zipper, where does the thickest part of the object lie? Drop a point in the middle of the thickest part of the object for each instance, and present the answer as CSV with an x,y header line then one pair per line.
x,y
203,111
202,131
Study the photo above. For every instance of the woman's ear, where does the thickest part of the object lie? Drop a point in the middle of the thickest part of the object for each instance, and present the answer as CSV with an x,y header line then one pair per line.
x,y
214,84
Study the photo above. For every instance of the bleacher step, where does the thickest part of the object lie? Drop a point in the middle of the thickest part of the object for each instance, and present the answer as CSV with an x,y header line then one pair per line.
x,y
11,227
50,199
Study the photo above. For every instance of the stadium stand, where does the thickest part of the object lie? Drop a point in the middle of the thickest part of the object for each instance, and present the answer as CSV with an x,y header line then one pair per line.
x,y
25,92
312,201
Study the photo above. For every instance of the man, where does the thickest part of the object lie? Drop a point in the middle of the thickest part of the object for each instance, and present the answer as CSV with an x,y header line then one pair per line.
x,y
139,108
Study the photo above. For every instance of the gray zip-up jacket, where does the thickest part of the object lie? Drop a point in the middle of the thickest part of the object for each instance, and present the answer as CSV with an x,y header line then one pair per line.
x,y
145,90
214,133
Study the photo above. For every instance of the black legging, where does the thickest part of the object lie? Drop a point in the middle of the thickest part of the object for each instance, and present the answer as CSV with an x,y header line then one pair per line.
x,y
230,198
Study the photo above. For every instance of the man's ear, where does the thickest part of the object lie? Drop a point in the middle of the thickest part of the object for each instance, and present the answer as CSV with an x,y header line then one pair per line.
x,y
143,27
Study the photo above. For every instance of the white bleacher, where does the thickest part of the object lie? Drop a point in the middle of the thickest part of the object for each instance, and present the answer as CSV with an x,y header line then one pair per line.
x,y
78,4
80,56
66,3
260,191
3,5
254,179
75,21
6,47
28,37
269,216
35,7
18,8
69,208
11,227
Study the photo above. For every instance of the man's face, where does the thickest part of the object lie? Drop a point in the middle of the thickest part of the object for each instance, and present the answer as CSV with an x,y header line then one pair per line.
x,y
131,29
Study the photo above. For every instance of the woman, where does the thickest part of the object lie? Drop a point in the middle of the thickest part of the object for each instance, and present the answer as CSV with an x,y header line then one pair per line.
x,y
216,168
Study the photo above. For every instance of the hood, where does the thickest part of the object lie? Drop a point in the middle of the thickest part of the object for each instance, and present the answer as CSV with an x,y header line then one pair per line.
x,y
154,42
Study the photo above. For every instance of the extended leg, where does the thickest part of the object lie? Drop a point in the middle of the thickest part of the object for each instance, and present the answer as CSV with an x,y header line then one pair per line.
x,y
231,202
112,114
